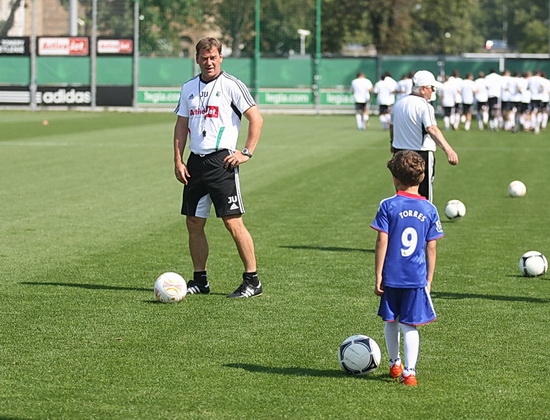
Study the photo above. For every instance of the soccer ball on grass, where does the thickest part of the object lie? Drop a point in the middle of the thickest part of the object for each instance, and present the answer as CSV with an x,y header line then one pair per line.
x,y
533,264
170,288
359,355
517,189
455,209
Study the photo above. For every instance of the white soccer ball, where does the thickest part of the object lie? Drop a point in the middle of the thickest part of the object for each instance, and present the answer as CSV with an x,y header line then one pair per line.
x,y
517,189
359,355
170,288
455,209
533,264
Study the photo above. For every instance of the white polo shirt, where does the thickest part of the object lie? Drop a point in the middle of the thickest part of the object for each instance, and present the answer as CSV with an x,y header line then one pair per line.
x,y
361,88
410,118
214,110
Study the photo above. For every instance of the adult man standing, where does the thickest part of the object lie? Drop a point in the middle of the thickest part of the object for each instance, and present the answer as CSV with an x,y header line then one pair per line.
x,y
209,111
414,127
361,87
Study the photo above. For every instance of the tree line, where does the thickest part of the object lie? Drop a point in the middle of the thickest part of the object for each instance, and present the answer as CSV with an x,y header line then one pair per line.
x,y
415,27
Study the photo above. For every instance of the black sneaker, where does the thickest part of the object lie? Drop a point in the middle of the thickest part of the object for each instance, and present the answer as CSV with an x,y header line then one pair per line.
x,y
246,290
195,288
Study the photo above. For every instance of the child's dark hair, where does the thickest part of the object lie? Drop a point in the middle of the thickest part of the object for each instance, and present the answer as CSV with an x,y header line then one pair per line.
x,y
408,167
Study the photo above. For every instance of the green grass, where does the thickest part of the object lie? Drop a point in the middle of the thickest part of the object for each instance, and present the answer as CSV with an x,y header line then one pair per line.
x,y
89,217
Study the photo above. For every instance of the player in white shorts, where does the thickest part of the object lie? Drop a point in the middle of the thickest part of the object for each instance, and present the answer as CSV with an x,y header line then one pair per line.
x,y
385,98
482,100
468,96
361,87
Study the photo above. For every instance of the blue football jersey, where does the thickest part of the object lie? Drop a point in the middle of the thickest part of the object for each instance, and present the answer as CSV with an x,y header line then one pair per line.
x,y
410,221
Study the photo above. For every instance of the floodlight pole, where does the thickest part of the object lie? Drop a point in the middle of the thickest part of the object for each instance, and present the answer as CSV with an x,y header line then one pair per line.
x,y
32,87
317,59
73,17
136,55
93,56
257,54
303,33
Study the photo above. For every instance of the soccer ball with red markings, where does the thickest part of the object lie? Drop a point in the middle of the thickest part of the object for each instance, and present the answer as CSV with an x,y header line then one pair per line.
x,y
170,288
533,264
359,355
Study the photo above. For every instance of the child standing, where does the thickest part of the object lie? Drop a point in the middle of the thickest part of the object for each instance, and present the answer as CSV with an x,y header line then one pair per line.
x,y
408,226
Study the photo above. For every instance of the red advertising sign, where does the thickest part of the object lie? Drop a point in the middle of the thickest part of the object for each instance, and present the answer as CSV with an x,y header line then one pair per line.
x,y
115,46
74,46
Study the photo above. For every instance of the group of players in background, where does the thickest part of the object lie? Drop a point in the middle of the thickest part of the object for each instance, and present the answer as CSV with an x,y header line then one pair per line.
x,y
499,101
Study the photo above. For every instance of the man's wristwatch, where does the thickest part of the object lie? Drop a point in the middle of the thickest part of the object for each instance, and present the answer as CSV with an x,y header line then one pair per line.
x,y
246,152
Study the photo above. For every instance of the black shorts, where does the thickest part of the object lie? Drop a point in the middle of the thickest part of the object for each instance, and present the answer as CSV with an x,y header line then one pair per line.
x,y
536,105
360,106
506,105
523,107
482,106
211,183
425,189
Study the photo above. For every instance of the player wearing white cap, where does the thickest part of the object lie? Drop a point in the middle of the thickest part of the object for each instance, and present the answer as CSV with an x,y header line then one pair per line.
x,y
414,127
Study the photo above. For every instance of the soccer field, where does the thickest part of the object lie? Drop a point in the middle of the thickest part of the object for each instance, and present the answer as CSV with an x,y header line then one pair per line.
x,y
89,217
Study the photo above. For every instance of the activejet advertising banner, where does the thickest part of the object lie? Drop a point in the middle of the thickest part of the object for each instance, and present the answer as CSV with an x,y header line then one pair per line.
x,y
63,46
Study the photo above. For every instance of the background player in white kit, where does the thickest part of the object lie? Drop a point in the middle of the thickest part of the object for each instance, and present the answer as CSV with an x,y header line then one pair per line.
x,y
404,86
468,97
361,87
404,263
482,100
209,111
385,98
447,100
